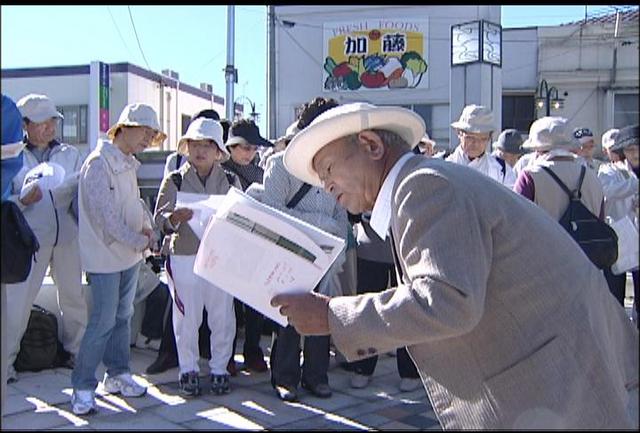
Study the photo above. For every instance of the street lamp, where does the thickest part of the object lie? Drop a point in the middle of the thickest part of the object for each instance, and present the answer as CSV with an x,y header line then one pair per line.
x,y
254,115
548,97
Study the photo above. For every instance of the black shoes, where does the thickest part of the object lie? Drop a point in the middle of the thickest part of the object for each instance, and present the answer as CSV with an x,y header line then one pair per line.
x,y
286,392
321,390
163,363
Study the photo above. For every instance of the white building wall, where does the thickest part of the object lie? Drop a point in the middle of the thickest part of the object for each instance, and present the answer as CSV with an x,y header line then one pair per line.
x,y
125,88
519,60
579,61
299,66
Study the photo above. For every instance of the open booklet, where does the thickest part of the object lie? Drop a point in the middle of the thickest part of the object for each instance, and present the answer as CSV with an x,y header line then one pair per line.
x,y
254,252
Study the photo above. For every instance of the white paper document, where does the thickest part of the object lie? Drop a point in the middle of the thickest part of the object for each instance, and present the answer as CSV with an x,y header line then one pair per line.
x,y
254,252
204,207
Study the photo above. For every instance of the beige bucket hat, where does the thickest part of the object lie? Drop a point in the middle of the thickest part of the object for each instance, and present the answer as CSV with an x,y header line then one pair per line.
x,y
549,133
475,118
203,128
138,114
344,120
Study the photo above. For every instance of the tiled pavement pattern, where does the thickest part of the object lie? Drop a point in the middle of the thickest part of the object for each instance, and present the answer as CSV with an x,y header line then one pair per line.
x,y
41,401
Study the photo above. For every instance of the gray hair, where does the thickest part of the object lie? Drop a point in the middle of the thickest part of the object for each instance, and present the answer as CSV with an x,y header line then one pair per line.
x,y
389,138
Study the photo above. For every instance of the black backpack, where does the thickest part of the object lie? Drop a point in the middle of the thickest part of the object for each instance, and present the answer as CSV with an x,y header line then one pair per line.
x,y
39,348
19,244
596,238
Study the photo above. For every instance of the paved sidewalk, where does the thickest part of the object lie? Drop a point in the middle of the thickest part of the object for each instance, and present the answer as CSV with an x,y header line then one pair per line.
x,y
40,401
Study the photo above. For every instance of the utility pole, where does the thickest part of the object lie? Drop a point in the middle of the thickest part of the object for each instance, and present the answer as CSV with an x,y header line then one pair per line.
x,y
230,72
271,72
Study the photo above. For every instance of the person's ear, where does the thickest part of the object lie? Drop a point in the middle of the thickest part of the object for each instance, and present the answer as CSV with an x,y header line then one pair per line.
x,y
372,144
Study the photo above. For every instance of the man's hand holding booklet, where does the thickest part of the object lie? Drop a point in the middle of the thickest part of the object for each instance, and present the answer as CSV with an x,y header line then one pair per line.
x,y
255,252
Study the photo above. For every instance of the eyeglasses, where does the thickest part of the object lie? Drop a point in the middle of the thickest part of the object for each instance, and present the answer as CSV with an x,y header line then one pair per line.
x,y
474,137
207,145
584,132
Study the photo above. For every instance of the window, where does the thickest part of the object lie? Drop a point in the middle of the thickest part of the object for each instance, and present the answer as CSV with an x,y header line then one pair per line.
x,y
625,109
73,128
186,120
423,111
518,112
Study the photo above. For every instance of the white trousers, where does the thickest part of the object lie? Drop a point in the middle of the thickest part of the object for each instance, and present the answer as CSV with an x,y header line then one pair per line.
x,y
67,274
196,293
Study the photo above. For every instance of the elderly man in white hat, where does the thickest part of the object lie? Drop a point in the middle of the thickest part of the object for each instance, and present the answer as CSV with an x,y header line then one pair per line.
x,y
114,232
204,147
509,324
51,214
619,181
475,127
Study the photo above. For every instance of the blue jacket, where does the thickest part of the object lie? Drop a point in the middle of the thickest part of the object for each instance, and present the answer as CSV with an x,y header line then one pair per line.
x,y
11,135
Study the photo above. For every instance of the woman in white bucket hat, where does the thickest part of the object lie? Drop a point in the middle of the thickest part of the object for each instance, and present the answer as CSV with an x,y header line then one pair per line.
x,y
203,145
114,232
475,127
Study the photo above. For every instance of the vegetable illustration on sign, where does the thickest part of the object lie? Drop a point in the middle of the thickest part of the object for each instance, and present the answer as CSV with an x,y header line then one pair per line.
x,y
374,54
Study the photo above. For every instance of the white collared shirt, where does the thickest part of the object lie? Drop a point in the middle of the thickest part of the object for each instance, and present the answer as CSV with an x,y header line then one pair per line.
x,y
381,213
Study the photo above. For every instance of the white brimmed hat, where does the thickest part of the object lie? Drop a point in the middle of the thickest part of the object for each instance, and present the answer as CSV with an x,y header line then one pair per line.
x,y
549,133
203,129
138,114
609,138
344,120
475,118
38,108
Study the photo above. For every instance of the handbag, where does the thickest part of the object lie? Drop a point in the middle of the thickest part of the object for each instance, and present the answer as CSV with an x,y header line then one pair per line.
x,y
628,249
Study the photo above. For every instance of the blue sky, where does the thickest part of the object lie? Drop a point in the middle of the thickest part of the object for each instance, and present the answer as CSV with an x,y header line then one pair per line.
x,y
188,39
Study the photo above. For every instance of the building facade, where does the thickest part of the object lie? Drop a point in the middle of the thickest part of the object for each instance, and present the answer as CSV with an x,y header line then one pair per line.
x,y
91,97
591,67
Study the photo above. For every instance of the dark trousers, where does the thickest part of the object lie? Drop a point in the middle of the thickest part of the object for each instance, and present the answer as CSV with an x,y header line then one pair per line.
x,y
376,277
253,324
616,284
285,359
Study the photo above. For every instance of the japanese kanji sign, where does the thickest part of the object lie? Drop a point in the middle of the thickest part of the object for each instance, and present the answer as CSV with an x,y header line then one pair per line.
x,y
375,54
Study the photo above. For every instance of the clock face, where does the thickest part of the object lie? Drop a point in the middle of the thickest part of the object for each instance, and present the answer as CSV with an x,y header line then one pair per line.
x,y
491,43
465,43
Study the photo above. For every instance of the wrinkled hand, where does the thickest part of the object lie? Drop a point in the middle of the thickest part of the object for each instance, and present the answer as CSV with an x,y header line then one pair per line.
x,y
307,312
151,237
180,215
33,196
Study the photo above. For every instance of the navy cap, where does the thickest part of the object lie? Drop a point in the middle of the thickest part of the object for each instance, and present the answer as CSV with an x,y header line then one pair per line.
x,y
246,131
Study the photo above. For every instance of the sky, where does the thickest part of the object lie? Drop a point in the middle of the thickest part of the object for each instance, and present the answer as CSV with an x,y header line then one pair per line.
x,y
190,40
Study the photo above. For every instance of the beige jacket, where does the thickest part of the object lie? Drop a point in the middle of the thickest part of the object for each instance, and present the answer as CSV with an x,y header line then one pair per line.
x,y
509,324
184,241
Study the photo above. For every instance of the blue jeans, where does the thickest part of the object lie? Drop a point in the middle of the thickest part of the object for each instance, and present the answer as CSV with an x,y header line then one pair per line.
x,y
108,331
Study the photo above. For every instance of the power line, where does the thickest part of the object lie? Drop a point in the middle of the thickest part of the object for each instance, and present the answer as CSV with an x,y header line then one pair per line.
x,y
137,39
118,29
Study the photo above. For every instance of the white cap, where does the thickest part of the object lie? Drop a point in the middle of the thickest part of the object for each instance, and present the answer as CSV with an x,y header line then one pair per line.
x,y
38,108
609,138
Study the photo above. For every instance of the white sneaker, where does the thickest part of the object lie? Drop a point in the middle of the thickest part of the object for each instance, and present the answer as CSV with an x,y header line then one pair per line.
x,y
123,384
83,402
359,381
407,384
